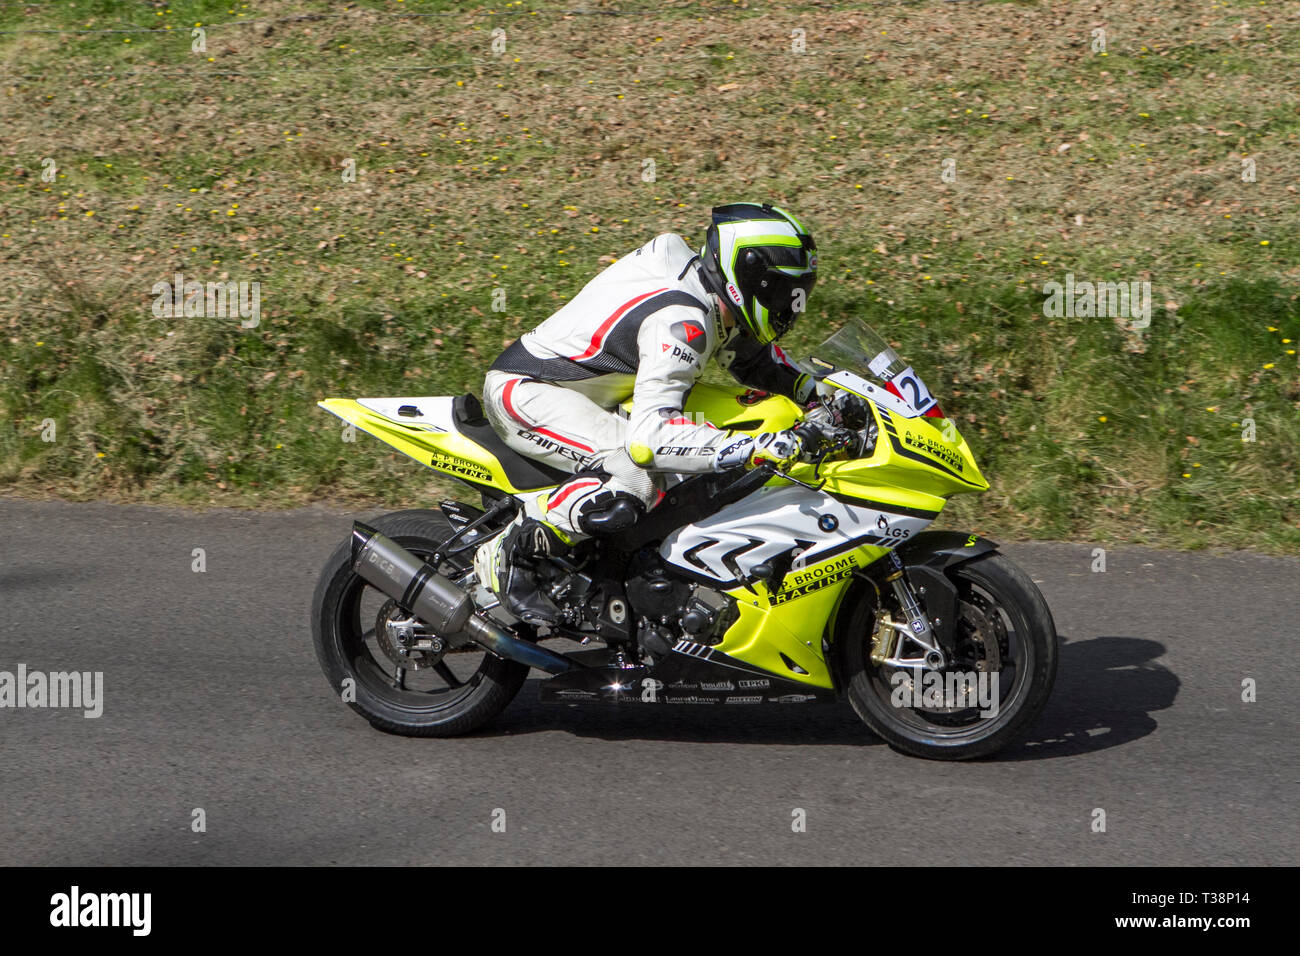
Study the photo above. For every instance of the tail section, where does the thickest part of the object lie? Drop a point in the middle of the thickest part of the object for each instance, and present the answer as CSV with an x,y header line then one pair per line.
x,y
449,435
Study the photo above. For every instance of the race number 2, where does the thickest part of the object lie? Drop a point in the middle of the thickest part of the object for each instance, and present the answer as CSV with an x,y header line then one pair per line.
x,y
912,390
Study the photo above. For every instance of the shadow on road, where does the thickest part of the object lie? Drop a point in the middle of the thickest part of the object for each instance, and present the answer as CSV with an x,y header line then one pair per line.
x,y
1106,689
814,724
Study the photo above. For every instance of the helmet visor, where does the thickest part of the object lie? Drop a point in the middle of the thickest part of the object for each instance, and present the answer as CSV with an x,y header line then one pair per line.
x,y
784,297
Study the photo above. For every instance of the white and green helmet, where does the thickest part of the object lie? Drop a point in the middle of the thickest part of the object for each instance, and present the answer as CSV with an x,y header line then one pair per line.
x,y
762,262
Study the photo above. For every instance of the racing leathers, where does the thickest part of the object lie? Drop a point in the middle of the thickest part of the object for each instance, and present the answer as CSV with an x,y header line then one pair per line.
x,y
643,329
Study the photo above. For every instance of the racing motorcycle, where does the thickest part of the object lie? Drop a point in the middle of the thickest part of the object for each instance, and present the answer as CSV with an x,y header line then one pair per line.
x,y
784,586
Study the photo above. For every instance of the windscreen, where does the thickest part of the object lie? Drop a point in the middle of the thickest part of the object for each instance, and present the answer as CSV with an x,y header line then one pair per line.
x,y
859,349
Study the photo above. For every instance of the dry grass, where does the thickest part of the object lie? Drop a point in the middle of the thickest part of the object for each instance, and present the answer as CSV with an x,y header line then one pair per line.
x,y
524,172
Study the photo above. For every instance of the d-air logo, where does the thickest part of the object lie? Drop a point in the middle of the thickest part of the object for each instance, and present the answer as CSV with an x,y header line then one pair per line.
x,y
692,333
684,354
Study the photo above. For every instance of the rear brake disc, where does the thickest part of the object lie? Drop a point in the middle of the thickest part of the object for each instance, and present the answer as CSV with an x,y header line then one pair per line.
x,y
405,640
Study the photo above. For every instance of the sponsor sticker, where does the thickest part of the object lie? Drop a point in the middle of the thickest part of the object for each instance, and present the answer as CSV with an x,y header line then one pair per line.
x,y
459,466
806,582
573,693
935,449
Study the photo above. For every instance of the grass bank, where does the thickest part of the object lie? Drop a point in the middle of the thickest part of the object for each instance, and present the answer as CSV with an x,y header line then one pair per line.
x,y
387,176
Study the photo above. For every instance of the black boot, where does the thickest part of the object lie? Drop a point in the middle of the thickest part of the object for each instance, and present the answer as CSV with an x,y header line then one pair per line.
x,y
525,546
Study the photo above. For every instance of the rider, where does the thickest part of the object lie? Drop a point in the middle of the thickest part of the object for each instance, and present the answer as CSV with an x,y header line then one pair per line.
x,y
644,329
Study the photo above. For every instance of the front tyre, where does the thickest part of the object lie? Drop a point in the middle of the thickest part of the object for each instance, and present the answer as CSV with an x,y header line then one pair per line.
x,y
1004,628
370,650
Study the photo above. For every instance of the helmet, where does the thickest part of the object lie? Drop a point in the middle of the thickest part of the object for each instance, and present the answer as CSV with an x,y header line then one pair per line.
x,y
762,262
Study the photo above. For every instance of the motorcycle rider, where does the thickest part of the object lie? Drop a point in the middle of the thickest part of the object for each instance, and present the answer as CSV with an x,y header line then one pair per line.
x,y
644,329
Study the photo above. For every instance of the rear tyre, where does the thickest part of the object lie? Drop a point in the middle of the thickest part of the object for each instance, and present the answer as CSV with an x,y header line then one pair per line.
x,y
433,695
997,602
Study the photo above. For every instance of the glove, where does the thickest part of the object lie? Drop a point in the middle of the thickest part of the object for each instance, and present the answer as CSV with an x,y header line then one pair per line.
x,y
809,391
782,448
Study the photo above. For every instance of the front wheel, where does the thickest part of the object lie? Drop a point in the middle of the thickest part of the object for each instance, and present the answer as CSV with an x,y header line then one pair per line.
x,y
375,654
988,695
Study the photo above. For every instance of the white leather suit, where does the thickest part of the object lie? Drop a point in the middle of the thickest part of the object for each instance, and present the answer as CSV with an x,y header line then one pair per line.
x,y
644,329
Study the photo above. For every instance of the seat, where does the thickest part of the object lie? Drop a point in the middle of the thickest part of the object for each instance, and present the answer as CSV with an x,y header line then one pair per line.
x,y
524,473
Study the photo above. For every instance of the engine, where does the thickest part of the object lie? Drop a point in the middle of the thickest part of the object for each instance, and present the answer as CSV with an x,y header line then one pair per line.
x,y
669,608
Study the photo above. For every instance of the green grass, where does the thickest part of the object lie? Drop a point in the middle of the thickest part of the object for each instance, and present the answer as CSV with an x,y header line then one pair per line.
x,y
478,172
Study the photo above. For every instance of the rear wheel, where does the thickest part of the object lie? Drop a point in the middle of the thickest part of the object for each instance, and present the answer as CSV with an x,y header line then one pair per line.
x,y
988,695
388,666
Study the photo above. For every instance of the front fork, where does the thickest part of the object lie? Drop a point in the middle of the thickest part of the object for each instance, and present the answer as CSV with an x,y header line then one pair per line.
x,y
891,639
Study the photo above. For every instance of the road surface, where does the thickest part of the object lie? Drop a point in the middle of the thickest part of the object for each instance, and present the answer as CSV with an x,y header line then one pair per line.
x,y
213,701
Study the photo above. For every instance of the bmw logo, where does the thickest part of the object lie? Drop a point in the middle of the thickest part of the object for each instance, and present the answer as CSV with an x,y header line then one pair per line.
x,y
828,522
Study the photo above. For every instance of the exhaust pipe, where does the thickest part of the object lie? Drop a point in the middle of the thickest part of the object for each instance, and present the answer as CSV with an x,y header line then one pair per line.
x,y
419,588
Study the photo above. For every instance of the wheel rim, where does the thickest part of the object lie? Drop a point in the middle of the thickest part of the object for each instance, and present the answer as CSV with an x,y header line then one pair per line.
x,y
440,686
954,724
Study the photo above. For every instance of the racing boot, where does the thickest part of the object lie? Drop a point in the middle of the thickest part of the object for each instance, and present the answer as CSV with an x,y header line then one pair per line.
x,y
508,564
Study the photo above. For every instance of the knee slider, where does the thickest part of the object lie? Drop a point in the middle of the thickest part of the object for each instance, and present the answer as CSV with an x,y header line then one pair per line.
x,y
609,512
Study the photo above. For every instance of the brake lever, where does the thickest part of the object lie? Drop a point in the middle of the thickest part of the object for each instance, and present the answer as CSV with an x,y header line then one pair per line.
x,y
842,442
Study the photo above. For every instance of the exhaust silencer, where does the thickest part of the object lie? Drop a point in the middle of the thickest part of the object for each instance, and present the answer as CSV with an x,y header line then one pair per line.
x,y
418,587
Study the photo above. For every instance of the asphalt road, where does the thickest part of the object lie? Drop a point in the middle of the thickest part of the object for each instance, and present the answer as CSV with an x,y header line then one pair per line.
x,y
213,699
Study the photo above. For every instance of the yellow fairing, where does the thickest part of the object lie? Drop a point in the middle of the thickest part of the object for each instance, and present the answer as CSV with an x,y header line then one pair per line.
x,y
447,451
917,462
728,408
735,410
791,622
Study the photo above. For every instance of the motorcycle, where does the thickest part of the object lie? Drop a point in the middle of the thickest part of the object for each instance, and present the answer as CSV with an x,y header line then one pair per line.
x,y
810,583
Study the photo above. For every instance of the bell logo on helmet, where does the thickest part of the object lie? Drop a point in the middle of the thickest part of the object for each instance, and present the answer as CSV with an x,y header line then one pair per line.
x,y
735,294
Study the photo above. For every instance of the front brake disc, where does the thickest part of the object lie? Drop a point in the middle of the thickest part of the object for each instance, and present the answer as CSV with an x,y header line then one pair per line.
x,y
981,627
